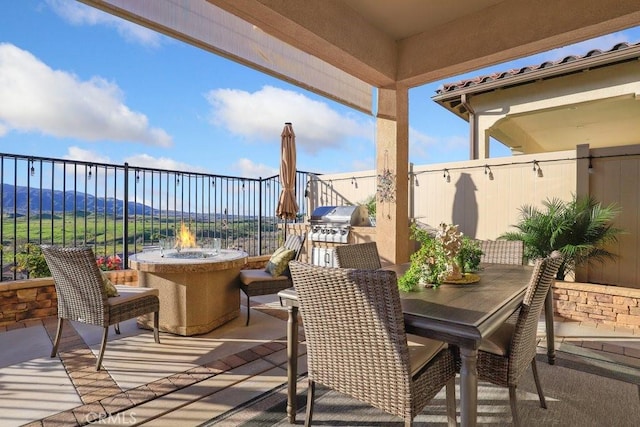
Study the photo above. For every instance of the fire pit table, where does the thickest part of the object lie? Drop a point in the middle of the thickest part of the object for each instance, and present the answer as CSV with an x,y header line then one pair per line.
x,y
198,289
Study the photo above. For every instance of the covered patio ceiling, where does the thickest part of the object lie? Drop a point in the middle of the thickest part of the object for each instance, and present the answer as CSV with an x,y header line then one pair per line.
x,y
381,43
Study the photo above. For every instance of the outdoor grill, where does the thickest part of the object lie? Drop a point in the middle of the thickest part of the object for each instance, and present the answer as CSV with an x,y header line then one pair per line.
x,y
331,225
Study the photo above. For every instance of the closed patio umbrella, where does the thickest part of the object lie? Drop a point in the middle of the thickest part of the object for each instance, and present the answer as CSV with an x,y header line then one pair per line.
x,y
287,206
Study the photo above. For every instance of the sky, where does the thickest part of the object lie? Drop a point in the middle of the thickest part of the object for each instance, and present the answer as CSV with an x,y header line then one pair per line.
x,y
80,84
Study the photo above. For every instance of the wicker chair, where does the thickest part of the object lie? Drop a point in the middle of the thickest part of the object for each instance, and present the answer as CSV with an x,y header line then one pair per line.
x,y
363,256
504,356
502,251
82,297
357,345
260,282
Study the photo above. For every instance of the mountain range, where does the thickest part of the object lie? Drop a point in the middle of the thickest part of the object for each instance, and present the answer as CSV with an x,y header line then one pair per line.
x,y
20,199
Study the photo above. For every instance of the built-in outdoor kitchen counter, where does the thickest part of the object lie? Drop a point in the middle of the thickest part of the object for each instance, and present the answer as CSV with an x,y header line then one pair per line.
x,y
197,293
331,226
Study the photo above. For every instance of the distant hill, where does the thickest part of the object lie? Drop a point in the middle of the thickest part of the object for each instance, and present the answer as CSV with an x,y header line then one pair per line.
x,y
20,199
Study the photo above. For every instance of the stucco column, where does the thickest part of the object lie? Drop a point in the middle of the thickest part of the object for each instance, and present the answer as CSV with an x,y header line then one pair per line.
x,y
392,165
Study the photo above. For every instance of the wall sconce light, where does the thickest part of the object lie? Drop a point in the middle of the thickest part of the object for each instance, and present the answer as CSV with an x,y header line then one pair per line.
x,y
488,172
137,176
537,169
354,182
177,179
415,181
243,185
89,174
446,175
213,182
32,171
590,169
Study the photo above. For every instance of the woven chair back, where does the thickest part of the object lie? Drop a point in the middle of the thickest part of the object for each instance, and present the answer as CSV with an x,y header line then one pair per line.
x,y
363,256
502,251
354,328
78,282
523,344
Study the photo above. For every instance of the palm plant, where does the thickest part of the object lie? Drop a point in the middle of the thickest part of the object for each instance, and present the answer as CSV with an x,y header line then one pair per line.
x,y
580,229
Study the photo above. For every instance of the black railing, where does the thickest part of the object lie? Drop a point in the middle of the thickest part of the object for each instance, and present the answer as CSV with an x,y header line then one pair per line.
x,y
117,209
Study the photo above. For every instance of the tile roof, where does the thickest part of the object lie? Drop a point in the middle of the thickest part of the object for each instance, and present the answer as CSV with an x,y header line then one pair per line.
x,y
505,75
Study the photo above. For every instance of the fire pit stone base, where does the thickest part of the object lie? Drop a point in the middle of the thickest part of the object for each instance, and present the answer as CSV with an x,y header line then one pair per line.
x,y
196,295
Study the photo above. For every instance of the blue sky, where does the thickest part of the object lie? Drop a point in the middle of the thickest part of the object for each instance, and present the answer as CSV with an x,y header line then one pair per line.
x,y
81,84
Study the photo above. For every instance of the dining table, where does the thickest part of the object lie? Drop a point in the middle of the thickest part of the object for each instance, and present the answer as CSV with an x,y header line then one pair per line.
x,y
458,314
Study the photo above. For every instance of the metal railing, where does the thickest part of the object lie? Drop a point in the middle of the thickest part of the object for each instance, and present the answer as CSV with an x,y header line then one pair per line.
x,y
118,209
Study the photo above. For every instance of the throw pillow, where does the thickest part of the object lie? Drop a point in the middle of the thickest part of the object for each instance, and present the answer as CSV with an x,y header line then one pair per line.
x,y
279,261
109,288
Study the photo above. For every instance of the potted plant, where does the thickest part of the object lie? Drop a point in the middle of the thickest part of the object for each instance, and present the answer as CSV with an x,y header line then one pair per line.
x,y
370,204
446,255
580,229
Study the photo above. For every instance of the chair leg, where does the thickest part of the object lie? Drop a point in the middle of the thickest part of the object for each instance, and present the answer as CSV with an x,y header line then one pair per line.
x,y
514,409
56,340
311,394
534,368
248,310
116,327
156,326
450,390
105,333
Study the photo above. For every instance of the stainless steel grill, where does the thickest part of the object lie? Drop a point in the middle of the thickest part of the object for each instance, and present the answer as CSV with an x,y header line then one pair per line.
x,y
331,225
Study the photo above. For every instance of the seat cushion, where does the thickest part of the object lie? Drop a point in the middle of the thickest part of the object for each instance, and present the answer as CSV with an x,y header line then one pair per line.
x,y
130,293
248,277
279,261
422,350
500,341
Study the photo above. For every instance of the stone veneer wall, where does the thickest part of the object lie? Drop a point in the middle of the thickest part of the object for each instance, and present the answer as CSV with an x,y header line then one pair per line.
x,y
27,299
22,300
36,298
610,305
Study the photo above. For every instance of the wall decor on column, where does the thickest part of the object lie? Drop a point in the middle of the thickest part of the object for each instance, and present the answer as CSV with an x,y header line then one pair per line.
x,y
386,183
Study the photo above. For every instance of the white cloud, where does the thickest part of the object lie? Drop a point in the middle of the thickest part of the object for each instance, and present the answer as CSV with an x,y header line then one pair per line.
x,y
36,98
419,143
264,112
249,169
424,147
365,164
82,155
145,160
77,13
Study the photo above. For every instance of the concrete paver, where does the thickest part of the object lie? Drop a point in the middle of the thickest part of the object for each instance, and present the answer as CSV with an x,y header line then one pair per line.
x,y
188,380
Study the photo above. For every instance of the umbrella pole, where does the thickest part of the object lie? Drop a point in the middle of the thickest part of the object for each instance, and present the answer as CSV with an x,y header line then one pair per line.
x,y
285,229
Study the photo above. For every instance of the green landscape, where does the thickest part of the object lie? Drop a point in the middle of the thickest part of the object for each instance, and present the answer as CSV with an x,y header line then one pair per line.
x,y
105,234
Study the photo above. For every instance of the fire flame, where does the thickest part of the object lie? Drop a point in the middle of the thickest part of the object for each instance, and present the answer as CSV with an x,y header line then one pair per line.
x,y
185,238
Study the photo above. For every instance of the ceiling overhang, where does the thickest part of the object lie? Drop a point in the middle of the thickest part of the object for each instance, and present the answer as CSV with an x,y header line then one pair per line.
x,y
388,44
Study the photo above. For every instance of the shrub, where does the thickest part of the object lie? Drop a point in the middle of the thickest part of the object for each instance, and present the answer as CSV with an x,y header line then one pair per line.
x,y
580,229
31,260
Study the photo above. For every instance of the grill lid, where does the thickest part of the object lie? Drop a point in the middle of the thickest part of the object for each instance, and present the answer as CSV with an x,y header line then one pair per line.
x,y
340,215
